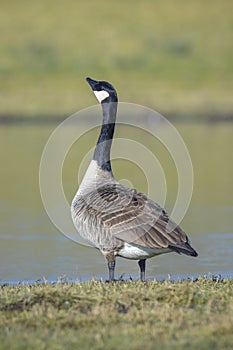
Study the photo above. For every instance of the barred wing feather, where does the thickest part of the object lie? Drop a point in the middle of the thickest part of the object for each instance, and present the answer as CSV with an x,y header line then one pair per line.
x,y
131,217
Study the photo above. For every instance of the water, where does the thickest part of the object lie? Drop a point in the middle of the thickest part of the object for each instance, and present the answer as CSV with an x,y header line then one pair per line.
x,y
32,248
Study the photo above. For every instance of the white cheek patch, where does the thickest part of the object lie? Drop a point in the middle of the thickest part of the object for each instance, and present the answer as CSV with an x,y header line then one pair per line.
x,y
101,95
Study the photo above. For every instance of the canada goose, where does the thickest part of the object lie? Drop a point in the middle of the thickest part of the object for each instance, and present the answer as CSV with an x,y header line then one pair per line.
x,y
117,220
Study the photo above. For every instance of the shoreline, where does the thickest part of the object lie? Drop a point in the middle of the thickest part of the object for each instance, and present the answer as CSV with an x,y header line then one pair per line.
x,y
11,119
121,279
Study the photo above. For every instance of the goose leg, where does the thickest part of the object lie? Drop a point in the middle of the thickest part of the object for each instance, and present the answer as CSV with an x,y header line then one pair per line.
x,y
111,269
111,266
142,265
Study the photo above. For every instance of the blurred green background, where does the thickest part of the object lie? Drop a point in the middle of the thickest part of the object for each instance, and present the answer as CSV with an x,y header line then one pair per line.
x,y
174,56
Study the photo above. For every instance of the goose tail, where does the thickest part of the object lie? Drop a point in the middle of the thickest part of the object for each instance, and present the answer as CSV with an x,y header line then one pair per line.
x,y
184,248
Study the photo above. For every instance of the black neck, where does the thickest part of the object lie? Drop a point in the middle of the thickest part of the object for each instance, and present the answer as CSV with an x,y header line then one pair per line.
x,y
103,146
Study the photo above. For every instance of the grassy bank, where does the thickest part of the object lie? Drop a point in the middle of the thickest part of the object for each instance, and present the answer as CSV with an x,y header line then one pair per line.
x,y
131,315
175,57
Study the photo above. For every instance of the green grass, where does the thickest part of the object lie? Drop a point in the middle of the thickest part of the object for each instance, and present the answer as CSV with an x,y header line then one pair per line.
x,y
176,57
130,315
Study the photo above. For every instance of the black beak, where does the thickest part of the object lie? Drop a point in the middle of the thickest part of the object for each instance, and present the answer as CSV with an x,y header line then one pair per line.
x,y
93,83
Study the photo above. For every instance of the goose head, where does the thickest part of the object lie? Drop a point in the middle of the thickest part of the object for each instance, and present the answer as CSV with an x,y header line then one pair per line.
x,y
103,90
